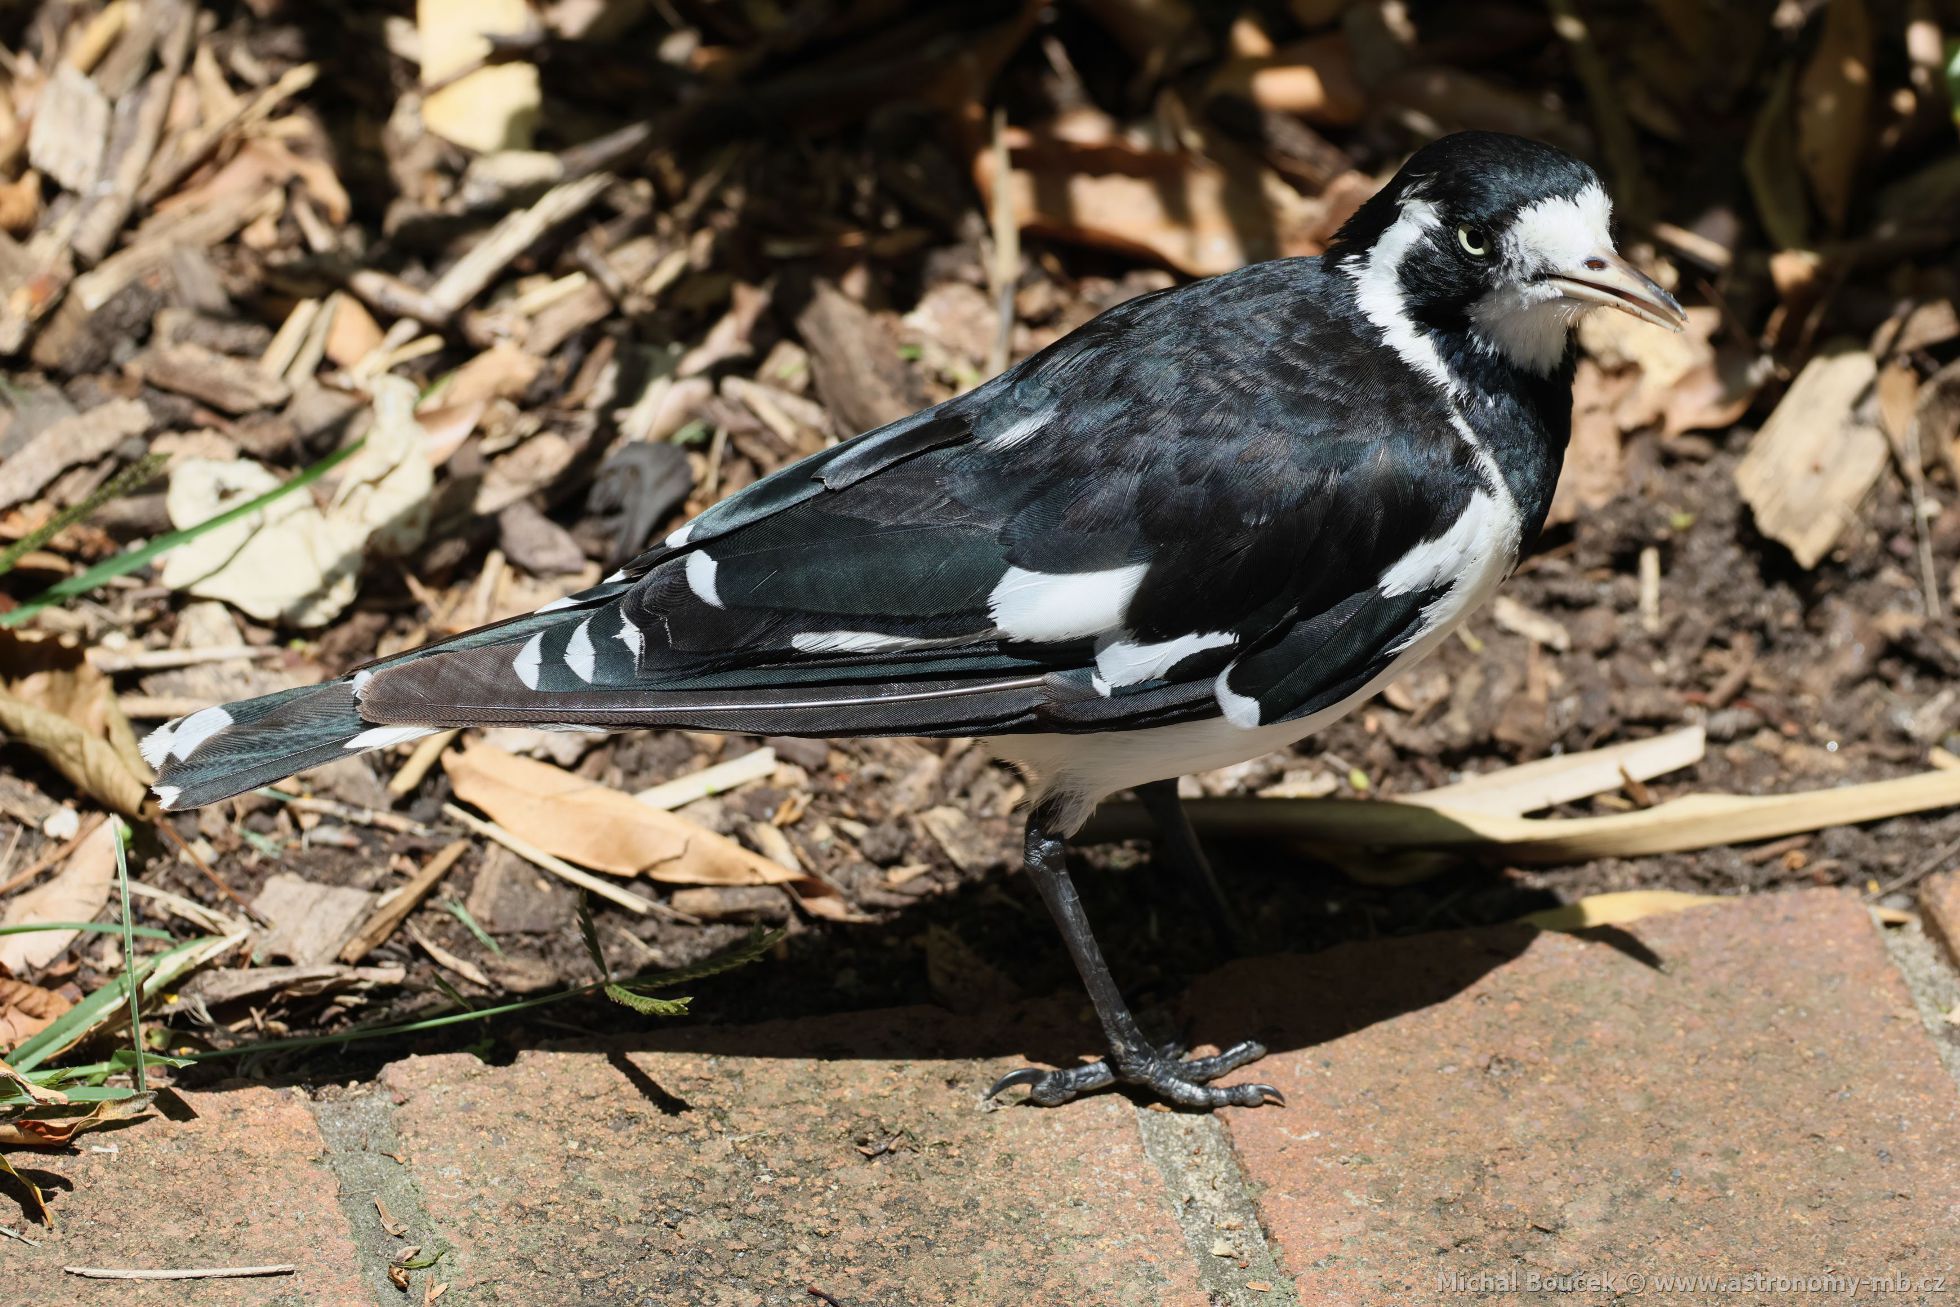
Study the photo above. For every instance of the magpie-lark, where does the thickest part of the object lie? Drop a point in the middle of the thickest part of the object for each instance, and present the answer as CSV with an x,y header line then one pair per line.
x,y
1201,527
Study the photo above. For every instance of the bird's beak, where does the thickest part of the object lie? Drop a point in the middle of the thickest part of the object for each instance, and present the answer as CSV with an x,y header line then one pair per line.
x,y
1606,278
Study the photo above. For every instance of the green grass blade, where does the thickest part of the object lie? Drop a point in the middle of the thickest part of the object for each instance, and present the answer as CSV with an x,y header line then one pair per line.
x,y
90,927
129,560
152,974
128,481
483,937
119,830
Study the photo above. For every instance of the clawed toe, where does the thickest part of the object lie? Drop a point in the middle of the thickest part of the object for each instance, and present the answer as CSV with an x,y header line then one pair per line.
x,y
1164,1072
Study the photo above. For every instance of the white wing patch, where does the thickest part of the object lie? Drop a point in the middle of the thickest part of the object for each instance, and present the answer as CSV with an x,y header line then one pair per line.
x,y
182,738
529,661
1450,556
1123,662
1242,710
1054,606
701,571
579,653
869,641
1016,432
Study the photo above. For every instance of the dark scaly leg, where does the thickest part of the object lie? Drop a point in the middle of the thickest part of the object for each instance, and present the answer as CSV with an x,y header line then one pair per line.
x,y
1132,1059
1180,849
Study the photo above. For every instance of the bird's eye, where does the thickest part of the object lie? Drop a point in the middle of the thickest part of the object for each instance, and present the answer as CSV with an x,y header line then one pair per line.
x,y
1474,241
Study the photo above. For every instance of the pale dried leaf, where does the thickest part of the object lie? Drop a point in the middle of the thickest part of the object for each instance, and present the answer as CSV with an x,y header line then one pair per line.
x,y
76,893
490,108
599,827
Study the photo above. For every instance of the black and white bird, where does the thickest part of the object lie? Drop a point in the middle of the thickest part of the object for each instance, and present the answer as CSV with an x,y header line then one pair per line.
x,y
1197,529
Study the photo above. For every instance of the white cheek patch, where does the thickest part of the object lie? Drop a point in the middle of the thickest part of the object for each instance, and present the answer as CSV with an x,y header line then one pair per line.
x,y
1050,606
1561,232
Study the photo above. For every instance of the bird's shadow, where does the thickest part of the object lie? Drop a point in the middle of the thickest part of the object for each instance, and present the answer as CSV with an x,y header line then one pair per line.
x,y
852,992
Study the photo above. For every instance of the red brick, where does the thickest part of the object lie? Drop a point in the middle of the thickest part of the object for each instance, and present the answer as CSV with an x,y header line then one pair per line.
x,y
1503,1101
1939,899
241,1184
732,1169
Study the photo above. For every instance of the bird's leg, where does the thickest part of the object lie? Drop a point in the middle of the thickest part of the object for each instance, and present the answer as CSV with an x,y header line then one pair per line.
x,y
1132,1059
1180,848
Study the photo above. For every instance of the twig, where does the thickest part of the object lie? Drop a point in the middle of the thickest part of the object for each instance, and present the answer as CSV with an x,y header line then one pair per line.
x,y
723,776
1929,582
472,274
161,707
427,751
390,916
164,179
157,660
108,208
16,1234
537,857
350,813
184,1273
1906,880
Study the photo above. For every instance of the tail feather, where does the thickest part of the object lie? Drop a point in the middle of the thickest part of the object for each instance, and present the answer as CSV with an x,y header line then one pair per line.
x,y
216,753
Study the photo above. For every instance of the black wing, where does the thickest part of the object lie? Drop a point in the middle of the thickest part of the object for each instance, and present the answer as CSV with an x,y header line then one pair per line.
x,y
1188,506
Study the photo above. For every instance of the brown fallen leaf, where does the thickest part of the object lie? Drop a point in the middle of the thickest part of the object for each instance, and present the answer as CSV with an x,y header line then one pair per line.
x,y
93,765
42,1129
26,1010
1812,463
599,827
77,893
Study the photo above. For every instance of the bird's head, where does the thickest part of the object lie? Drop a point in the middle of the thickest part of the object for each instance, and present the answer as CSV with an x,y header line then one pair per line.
x,y
1498,241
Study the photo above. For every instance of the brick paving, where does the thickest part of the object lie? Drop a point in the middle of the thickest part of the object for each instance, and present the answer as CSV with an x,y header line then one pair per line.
x,y
1741,1088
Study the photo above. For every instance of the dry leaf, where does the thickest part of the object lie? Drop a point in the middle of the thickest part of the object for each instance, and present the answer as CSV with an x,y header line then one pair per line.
x,y
26,1009
93,765
1615,909
1811,465
77,893
493,108
49,1131
293,561
599,827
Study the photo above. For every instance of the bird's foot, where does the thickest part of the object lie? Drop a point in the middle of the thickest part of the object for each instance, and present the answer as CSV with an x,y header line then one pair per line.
x,y
1165,1072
